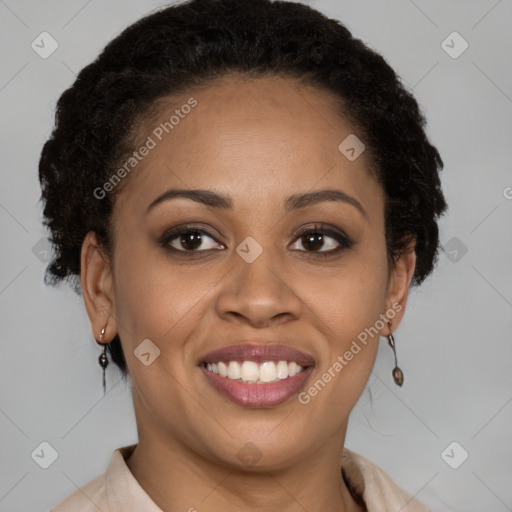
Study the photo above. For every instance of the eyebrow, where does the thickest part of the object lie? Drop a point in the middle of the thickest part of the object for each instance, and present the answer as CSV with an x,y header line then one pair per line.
x,y
293,202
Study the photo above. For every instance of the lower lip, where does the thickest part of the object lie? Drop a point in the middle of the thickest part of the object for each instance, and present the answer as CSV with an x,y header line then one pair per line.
x,y
258,395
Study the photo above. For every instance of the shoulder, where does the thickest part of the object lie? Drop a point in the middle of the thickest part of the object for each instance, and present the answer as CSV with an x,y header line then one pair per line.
x,y
89,498
376,487
115,487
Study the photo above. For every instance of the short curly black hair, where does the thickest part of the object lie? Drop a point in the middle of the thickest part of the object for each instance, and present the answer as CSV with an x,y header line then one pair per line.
x,y
195,42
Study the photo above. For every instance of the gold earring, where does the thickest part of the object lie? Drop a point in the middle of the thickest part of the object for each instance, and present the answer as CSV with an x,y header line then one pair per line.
x,y
398,374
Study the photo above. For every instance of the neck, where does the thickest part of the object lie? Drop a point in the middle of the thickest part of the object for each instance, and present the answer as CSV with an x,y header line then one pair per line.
x,y
178,478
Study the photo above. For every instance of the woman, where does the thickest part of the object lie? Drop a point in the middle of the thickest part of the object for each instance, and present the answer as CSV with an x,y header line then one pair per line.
x,y
244,194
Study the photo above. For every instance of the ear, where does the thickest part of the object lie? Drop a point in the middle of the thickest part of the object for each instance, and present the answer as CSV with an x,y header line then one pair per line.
x,y
97,287
398,285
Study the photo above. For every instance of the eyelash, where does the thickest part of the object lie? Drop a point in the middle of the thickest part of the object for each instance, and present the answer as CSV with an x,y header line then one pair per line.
x,y
344,241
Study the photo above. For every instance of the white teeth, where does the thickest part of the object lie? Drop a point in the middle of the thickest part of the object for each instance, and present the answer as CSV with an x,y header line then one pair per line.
x,y
249,371
234,371
268,372
282,370
252,372
223,369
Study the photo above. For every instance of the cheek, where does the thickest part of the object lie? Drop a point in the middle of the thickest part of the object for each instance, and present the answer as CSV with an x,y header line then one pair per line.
x,y
353,295
153,304
350,303
159,302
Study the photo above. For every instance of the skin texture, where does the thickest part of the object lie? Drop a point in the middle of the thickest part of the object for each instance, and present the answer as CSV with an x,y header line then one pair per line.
x,y
258,141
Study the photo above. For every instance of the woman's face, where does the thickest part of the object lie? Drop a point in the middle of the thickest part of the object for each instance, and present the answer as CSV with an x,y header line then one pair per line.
x,y
249,276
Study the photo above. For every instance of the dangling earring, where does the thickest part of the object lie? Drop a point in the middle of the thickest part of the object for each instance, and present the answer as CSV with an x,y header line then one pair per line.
x,y
103,360
398,375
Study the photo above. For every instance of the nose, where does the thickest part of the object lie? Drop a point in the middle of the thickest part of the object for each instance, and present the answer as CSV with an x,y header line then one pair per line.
x,y
259,294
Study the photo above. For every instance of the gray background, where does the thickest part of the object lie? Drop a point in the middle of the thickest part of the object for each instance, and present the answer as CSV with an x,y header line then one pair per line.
x,y
454,344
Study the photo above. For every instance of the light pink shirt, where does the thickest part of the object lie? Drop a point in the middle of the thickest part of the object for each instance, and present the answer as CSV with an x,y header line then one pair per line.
x,y
117,490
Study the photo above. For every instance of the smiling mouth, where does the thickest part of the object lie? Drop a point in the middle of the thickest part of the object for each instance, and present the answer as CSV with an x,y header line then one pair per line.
x,y
257,384
252,372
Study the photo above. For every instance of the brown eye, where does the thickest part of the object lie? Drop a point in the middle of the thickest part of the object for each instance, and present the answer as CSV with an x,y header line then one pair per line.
x,y
191,240
323,241
186,239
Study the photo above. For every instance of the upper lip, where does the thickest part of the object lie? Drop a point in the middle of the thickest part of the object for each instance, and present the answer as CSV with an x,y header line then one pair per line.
x,y
254,351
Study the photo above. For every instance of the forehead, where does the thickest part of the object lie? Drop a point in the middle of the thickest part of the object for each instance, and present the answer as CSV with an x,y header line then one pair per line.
x,y
256,139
